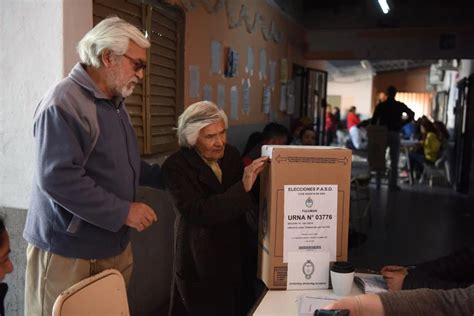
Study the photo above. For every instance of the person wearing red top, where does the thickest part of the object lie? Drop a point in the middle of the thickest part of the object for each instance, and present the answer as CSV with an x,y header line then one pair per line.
x,y
352,118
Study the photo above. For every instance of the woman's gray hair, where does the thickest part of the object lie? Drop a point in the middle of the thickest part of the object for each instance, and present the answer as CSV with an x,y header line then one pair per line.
x,y
112,33
197,116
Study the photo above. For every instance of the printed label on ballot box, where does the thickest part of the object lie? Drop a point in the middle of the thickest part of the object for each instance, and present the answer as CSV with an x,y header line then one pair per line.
x,y
310,219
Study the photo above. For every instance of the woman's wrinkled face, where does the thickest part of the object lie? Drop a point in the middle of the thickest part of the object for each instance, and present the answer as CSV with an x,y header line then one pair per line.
x,y
211,141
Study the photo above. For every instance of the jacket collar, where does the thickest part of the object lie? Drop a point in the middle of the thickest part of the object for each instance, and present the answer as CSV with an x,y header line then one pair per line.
x,y
80,76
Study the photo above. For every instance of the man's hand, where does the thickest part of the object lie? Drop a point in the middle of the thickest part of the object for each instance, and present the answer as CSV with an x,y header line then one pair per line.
x,y
252,171
394,276
140,216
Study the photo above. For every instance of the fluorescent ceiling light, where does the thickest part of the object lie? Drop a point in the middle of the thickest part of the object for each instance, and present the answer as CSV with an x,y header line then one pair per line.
x,y
384,6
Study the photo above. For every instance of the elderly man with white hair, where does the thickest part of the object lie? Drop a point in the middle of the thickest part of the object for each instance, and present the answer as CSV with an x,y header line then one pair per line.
x,y
87,168
212,195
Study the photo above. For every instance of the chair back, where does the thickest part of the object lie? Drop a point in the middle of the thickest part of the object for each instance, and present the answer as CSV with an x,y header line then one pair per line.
x,y
101,294
444,160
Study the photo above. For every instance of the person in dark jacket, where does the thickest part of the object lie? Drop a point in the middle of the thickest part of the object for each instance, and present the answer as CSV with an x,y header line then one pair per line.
x,y
389,113
211,191
444,286
455,270
272,134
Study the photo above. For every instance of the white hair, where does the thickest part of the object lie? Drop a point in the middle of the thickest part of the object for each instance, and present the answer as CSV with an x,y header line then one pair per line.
x,y
112,33
197,116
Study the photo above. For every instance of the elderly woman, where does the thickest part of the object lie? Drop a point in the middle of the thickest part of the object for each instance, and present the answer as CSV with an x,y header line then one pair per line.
x,y
212,195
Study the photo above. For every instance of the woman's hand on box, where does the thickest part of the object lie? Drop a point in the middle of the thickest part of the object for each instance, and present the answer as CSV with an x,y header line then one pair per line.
x,y
252,171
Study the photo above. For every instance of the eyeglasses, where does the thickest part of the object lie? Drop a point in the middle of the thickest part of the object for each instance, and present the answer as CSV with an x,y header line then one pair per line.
x,y
137,63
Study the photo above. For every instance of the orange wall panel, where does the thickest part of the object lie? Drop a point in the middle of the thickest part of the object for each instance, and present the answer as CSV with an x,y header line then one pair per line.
x,y
413,80
203,27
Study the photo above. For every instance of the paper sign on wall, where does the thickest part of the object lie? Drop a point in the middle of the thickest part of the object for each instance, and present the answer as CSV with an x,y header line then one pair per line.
x,y
310,219
250,61
234,103
216,48
262,73
266,99
272,65
283,70
220,96
207,92
246,96
193,81
283,97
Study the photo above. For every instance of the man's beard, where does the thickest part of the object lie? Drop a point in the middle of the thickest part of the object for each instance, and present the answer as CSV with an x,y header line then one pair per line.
x,y
125,90
114,81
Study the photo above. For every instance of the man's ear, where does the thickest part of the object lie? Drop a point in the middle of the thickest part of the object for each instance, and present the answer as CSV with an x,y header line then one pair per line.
x,y
106,58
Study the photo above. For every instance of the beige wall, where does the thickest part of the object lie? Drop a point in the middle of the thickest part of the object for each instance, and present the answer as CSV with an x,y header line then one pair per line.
x,y
356,93
203,27
77,21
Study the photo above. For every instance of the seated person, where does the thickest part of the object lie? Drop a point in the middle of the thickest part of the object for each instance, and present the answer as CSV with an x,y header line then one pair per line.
x,y
358,135
441,131
408,130
308,136
441,287
272,134
431,147
453,271
295,135
419,302
254,139
6,265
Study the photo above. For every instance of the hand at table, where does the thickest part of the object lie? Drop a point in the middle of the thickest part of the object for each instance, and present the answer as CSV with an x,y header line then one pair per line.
x,y
360,305
394,276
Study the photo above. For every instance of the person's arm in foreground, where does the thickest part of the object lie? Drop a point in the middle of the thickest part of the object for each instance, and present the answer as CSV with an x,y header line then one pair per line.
x,y
411,302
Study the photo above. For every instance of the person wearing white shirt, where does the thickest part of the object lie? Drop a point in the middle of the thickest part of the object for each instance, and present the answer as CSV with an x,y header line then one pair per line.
x,y
358,134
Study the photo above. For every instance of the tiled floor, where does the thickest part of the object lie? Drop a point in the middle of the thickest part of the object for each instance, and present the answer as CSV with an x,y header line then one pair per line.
x,y
416,224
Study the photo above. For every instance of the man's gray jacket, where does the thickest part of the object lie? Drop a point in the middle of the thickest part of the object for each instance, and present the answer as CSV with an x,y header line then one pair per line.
x,y
87,168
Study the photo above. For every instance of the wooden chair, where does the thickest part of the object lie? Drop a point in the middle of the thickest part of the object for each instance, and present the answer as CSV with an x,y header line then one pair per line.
x,y
103,294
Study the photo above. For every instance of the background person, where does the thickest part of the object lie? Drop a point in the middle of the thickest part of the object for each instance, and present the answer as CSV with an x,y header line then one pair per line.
x,y
430,145
381,97
308,136
352,118
358,135
272,134
253,140
389,113
213,264
87,168
330,125
453,271
441,131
